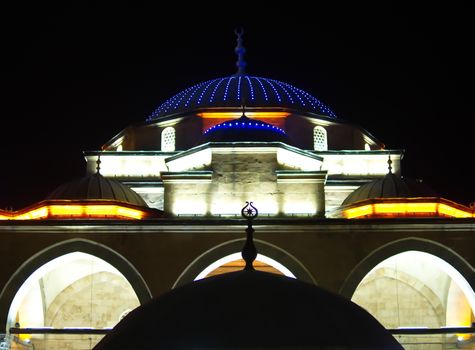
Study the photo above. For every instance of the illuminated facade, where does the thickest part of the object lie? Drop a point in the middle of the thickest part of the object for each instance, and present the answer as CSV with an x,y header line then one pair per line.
x,y
331,213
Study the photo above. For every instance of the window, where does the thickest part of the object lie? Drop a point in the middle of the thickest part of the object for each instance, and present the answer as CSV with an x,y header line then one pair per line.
x,y
320,142
168,139
367,147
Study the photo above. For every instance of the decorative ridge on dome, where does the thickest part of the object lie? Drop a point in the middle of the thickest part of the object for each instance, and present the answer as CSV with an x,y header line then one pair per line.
x,y
230,91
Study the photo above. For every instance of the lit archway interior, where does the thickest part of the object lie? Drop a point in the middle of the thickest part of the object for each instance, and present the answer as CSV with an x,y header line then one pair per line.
x,y
234,262
76,290
416,289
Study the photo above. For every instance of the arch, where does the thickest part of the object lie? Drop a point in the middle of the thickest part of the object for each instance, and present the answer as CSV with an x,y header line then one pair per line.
x,y
57,250
230,247
412,289
268,262
320,140
400,246
168,139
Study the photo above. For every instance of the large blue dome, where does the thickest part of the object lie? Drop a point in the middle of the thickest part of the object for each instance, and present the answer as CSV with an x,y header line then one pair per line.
x,y
232,91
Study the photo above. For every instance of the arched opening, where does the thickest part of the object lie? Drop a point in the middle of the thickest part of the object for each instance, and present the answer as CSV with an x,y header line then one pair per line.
x,y
416,289
227,257
75,290
168,139
234,262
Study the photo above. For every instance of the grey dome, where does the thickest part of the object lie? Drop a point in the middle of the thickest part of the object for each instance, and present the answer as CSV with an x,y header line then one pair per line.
x,y
96,187
249,309
391,186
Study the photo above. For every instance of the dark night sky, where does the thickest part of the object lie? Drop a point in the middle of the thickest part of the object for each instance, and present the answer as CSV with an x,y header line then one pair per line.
x,y
73,77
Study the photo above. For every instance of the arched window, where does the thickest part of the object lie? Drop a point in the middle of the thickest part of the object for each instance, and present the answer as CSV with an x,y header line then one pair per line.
x,y
168,139
415,278
61,293
320,142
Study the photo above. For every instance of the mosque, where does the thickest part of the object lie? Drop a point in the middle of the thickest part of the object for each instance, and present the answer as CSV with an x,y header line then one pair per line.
x,y
160,207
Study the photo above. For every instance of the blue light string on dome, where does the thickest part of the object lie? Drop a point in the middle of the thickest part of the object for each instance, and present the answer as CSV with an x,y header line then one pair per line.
x,y
239,89
200,98
174,102
177,104
284,89
193,93
273,88
164,107
309,99
227,89
295,92
250,87
254,125
263,89
212,92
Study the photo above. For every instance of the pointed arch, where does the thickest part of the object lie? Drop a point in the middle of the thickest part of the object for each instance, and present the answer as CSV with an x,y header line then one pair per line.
x,y
403,245
57,250
267,249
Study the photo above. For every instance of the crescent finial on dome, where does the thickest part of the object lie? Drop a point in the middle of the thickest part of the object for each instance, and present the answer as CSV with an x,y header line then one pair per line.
x,y
249,251
390,168
98,164
240,51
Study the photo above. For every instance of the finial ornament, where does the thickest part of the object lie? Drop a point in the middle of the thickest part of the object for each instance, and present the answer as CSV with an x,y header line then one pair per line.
x,y
98,162
249,251
243,107
240,51
390,168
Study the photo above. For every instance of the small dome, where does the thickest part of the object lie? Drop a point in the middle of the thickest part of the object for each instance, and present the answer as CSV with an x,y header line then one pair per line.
x,y
232,91
249,309
96,186
391,186
244,129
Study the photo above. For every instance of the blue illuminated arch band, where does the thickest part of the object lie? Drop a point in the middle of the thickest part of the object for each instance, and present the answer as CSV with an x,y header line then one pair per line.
x,y
250,125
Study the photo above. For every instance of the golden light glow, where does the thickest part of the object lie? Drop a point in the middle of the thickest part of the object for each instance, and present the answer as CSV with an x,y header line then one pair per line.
x,y
359,211
235,115
129,213
451,211
39,213
398,207
388,208
68,210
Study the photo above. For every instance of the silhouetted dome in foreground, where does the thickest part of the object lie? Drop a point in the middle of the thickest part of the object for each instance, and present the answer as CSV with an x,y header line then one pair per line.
x,y
249,309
